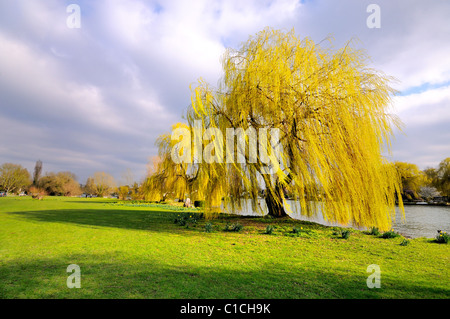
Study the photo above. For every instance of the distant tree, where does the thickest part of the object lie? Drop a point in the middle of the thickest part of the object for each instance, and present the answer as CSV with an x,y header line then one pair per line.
x,y
443,175
89,188
37,173
431,177
126,185
123,192
60,184
412,179
70,187
126,178
14,178
135,191
103,184
428,192
50,184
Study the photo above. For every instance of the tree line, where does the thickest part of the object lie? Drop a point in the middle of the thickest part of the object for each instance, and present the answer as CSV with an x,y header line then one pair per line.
x,y
15,179
424,184
416,184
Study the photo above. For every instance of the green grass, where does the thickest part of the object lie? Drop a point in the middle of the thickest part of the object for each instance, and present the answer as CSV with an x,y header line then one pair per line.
x,y
129,250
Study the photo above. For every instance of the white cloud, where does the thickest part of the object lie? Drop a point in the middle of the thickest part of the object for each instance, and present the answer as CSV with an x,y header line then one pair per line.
x,y
432,106
424,138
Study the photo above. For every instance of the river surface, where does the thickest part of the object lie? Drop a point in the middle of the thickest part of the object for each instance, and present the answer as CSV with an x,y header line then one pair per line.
x,y
420,220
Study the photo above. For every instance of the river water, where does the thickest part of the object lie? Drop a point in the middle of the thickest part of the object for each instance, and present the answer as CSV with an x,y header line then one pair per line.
x,y
420,220
423,220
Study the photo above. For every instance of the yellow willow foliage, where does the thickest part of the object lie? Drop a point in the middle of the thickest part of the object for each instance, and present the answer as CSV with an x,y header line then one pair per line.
x,y
182,180
150,191
411,176
332,112
169,180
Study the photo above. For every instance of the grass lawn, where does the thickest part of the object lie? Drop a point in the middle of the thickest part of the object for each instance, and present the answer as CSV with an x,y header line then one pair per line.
x,y
137,251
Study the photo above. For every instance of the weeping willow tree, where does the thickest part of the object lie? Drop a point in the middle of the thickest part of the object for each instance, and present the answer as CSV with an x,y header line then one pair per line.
x,y
330,114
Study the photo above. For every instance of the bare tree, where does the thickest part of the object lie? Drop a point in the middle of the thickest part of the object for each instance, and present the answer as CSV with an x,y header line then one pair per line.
x,y
37,172
101,184
127,178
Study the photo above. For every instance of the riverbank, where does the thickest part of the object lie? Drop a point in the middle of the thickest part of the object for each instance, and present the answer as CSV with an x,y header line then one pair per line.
x,y
427,203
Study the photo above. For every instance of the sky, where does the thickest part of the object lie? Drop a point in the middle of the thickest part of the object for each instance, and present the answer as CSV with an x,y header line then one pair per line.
x,y
94,96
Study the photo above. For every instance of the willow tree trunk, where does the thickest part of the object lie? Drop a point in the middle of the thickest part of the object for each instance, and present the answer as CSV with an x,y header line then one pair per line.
x,y
274,201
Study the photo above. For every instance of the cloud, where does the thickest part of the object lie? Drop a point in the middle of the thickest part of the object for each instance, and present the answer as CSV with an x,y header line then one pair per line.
x,y
96,98
434,103
424,146
426,132
411,44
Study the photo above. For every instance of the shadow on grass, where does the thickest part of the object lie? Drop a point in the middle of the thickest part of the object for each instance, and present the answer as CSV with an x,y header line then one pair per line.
x,y
152,220
120,218
87,201
148,278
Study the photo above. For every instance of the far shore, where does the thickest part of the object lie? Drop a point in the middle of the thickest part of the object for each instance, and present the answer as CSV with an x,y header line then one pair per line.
x,y
427,203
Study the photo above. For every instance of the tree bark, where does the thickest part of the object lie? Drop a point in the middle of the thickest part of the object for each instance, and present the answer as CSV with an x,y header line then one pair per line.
x,y
274,201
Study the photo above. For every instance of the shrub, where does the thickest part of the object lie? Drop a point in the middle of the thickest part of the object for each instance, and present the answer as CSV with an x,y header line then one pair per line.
x,y
269,229
180,220
186,219
209,227
36,192
405,242
442,237
297,230
390,234
233,227
345,233
237,227
342,233
374,231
